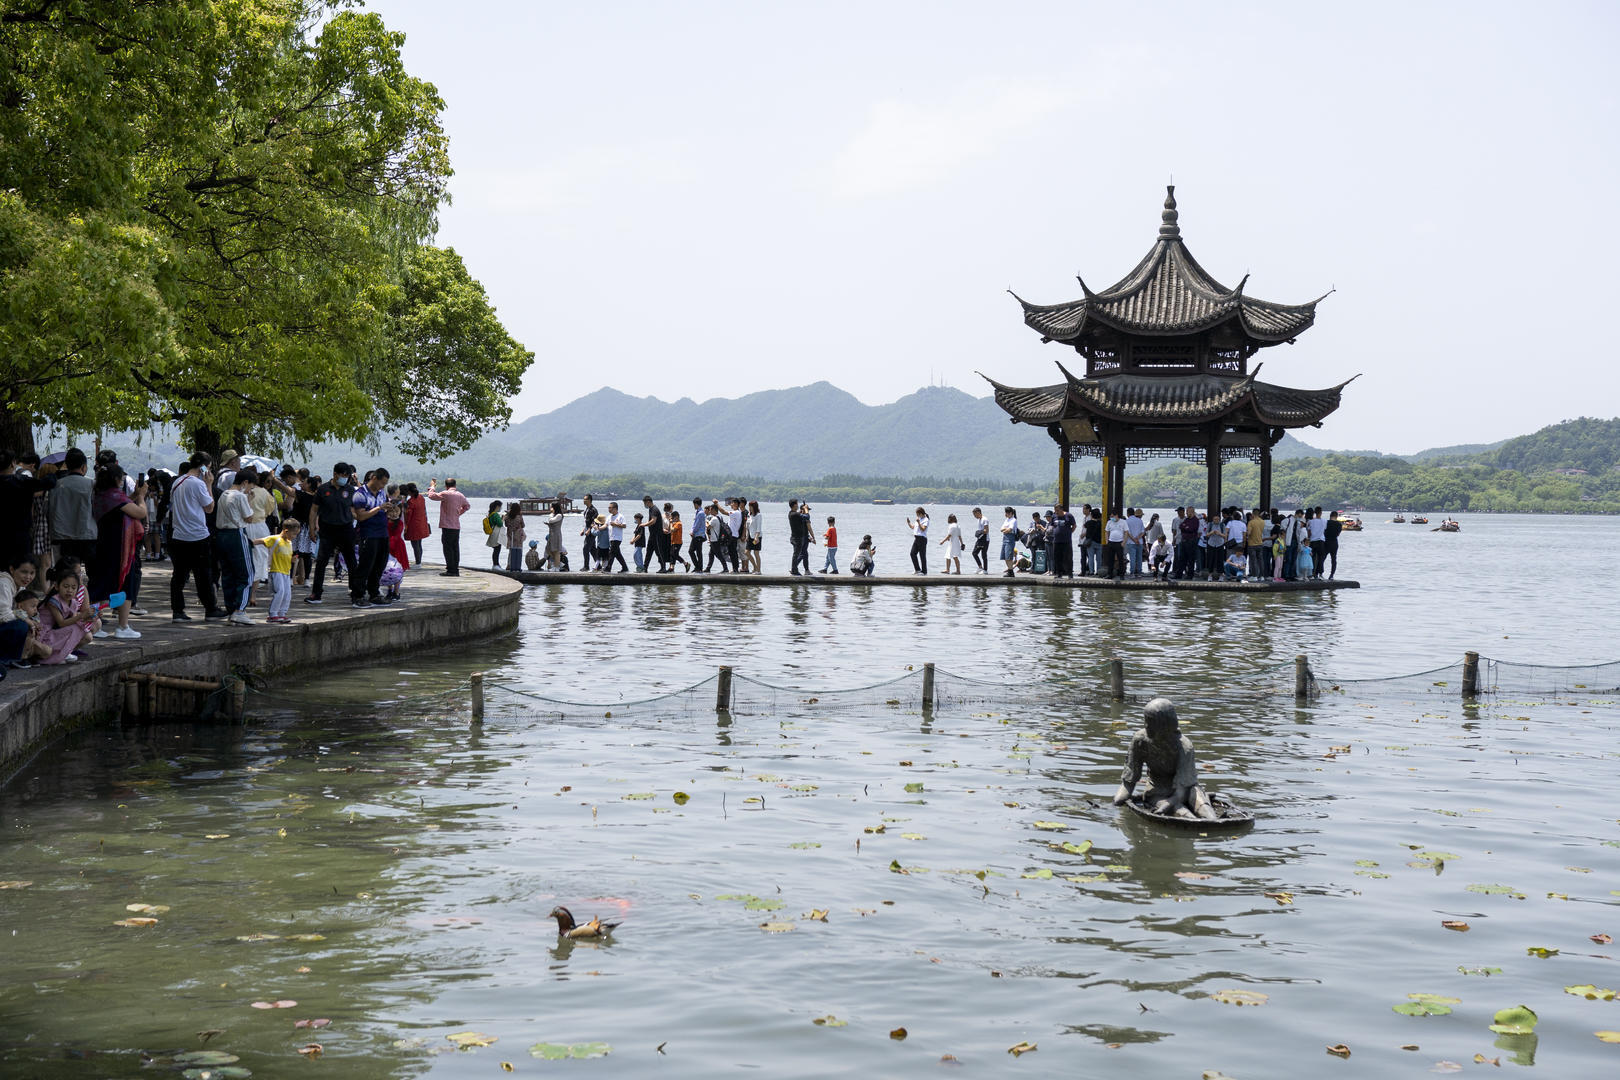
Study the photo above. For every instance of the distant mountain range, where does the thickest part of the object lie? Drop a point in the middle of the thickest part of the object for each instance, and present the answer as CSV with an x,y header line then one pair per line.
x,y
803,433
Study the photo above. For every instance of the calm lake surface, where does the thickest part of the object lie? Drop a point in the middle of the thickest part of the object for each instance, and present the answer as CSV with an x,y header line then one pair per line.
x,y
360,807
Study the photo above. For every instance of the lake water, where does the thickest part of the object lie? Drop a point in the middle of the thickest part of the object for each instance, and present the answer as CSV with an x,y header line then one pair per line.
x,y
360,807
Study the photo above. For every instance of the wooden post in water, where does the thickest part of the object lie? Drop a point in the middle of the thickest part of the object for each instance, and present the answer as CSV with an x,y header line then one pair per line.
x,y
722,690
149,698
928,686
132,699
238,699
1302,677
477,681
1470,674
1116,679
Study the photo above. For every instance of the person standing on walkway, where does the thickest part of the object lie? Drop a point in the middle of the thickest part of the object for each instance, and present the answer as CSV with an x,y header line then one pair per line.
x,y
1317,526
677,533
1009,541
756,538
554,539
700,536
981,541
1062,538
190,504
718,529
369,505
72,525
830,564
280,549
615,539
452,504
739,538
588,531
332,526
516,534
416,522
17,491
953,540
231,513
1134,533
1330,535
798,537
1114,549
919,542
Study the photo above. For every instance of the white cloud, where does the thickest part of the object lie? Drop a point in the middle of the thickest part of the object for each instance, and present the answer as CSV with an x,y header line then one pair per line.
x,y
907,145
576,178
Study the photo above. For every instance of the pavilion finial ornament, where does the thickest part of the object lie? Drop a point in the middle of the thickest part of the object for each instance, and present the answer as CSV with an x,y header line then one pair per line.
x,y
1169,230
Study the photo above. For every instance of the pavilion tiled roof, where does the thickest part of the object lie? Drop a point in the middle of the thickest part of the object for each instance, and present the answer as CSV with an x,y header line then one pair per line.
x,y
1169,293
1178,400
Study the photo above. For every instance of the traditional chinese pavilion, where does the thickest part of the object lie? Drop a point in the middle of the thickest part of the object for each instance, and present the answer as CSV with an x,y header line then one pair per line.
x,y
1167,358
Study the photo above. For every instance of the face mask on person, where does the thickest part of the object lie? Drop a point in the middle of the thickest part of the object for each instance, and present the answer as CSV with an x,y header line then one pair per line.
x,y
343,481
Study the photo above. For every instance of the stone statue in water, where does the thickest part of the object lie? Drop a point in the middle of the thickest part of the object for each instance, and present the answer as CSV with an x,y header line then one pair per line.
x,y
1172,766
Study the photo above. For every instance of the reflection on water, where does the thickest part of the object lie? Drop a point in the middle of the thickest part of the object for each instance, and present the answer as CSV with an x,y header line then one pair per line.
x,y
361,808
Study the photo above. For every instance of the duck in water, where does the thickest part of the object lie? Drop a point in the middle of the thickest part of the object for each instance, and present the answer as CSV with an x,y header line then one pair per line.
x,y
566,927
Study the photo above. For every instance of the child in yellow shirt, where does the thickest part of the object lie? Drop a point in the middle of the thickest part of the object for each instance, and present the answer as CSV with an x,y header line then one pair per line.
x,y
280,546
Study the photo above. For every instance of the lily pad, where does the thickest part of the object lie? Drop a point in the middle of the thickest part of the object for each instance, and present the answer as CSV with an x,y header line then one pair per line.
x,y
467,1040
1479,970
563,1051
1084,846
743,896
829,1021
1050,826
1240,997
1541,951
1435,999
206,1057
758,904
912,836
1425,1005
914,787
637,796
1494,890
681,799
1515,1020
804,845
1366,862
1043,874
1590,992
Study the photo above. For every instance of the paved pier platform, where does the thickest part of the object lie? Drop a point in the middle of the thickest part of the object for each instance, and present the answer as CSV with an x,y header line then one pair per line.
x,y
38,703
994,580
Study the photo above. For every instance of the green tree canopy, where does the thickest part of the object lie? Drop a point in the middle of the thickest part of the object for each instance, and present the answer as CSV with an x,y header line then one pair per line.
x,y
215,216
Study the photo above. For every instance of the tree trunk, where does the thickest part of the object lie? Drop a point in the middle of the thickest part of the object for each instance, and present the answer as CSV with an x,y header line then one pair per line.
x,y
16,432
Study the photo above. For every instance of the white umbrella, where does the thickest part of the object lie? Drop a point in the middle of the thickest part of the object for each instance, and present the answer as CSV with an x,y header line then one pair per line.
x,y
258,464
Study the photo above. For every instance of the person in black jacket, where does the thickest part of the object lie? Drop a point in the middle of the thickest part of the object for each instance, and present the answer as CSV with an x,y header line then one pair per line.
x,y
799,533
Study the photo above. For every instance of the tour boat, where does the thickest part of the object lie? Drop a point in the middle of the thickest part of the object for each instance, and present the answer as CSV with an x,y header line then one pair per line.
x,y
1449,525
1352,524
1398,519
1420,520
1233,818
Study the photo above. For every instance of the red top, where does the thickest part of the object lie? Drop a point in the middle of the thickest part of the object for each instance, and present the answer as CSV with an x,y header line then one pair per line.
x,y
831,536
416,523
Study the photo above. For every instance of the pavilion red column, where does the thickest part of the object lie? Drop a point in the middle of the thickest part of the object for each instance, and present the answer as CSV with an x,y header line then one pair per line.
x,y
1212,459
1265,478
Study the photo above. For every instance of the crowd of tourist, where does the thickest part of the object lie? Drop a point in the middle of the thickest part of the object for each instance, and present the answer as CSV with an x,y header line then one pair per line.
x,y
1231,544
241,535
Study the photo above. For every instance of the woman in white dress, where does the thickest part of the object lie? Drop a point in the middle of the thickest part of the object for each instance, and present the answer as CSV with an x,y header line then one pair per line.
x,y
953,538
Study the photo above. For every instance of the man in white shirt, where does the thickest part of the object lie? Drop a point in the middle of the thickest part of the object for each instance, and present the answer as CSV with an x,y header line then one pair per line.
x,y
615,538
190,503
1317,525
1133,539
735,520
1114,534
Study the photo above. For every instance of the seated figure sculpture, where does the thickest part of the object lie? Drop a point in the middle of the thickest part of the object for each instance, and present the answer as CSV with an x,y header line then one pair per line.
x,y
1172,766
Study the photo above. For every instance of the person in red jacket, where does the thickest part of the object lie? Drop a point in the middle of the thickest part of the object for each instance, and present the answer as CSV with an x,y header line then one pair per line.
x,y
416,521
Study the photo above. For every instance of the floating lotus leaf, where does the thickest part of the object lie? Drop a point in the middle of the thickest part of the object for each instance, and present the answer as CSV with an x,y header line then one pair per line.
x,y
1541,951
563,1051
1421,1008
1590,992
206,1057
914,787
1435,999
681,798
1240,997
804,845
1479,970
1084,846
1493,890
1050,826
1608,1036
1515,1020
637,796
912,836
757,904
1043,874
829,1021
743,896
467,1040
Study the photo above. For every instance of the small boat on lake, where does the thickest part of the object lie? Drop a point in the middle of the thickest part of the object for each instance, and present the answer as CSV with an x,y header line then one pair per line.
x,y
882,502
1352,524
1449,525
1398,519
1233,818
1420,520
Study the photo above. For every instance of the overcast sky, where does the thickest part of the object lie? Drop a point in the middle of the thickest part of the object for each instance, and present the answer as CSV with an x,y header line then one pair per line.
x,y
704,200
